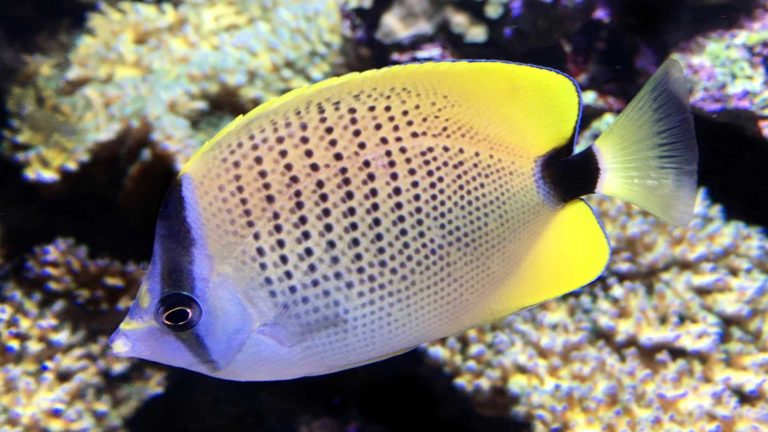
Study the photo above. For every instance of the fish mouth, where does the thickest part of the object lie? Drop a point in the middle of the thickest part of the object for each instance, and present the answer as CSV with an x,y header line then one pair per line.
x,y
120,343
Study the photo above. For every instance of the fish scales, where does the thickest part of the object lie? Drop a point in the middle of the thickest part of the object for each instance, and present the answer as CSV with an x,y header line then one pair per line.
x,y
370,219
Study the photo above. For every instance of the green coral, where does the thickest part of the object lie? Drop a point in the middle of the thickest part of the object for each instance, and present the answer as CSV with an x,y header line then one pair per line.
x,y
177,72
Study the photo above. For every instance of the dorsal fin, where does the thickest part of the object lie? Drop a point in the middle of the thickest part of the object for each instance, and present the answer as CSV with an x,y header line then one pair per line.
x,y
516,101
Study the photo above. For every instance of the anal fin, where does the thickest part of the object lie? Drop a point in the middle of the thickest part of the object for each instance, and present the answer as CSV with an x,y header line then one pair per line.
x,y
570,252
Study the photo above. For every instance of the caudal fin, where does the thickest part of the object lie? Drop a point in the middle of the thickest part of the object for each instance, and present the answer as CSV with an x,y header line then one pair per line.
x,y
649,155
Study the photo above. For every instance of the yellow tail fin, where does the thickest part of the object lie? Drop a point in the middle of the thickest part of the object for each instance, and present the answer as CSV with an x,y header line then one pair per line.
x,y
649,155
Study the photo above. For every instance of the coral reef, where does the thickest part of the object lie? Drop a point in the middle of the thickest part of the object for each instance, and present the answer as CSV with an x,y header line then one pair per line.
x,y
727,68
56,375
56,378
673,334
521,24
174,73
430,51
45,133
64,269
409,19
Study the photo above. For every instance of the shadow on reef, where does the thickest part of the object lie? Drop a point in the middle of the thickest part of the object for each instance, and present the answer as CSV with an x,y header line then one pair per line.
x,y
91,208
642,34
34,26
399,394
664,23
732,159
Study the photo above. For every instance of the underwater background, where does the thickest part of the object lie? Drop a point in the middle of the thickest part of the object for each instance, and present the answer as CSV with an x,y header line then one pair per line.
x,y
103,102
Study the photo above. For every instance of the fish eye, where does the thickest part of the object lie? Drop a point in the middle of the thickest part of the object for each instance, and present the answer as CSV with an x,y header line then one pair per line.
x,y
178,312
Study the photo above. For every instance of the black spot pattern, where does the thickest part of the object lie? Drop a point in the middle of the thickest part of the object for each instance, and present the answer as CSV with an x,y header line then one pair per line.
x,y
369,219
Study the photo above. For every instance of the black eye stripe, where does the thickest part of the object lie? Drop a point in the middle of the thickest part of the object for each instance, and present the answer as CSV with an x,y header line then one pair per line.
x,y
178,312
174,243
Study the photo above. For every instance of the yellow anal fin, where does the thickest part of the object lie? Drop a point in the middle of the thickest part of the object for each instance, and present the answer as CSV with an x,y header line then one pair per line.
x,y
571,252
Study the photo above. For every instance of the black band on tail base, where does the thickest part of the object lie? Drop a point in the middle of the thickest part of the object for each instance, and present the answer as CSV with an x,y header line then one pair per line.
x,y
570,176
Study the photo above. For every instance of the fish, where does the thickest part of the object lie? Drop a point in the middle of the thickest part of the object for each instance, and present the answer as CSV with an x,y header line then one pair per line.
x,y
354,219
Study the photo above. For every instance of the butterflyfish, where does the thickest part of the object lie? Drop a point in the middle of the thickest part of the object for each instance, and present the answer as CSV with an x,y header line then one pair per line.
x,y
356,218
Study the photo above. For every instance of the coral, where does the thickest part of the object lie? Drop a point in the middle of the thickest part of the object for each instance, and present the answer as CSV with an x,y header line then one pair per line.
x,y
595,129
673,334
356,4
56,375
520,24
426,52
64,269
408,19
463,23
599,101
178,72
727,68
46,132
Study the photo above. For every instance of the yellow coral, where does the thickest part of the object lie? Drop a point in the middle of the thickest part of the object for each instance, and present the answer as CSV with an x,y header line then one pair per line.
x,y
45,131
63,268
672,336
56,376
166,68
166,65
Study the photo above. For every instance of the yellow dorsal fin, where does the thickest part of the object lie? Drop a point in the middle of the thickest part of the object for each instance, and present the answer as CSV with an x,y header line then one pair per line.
x,y
516,101
570,252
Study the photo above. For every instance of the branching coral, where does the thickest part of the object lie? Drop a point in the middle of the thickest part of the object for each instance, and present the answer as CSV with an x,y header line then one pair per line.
x,y
728,68
56,375
673,335
178,71
63,268
45,128
55,378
